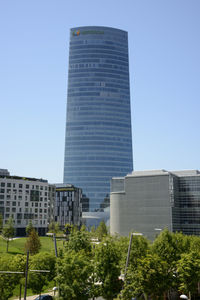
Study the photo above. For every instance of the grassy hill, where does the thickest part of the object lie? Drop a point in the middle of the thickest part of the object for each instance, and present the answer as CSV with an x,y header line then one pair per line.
x,y
17,246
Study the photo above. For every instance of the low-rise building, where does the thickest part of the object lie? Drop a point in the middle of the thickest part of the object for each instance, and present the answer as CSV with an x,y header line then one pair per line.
x,y
144,201
25,199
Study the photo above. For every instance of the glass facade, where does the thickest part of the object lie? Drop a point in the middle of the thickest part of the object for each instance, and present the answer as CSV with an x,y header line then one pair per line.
x,y
98,142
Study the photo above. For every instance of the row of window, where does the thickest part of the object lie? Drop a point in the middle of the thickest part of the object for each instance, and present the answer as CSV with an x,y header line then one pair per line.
x,y
124,44
100,83
73,58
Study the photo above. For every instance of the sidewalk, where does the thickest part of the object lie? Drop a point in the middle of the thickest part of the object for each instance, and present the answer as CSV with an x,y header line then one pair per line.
x,y
33,297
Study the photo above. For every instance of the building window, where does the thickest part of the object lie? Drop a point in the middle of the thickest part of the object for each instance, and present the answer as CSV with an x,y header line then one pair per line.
x,y
2,190
7,209
2,184
20,185
8,184
27,186
13,203
1,196
13,209
26,203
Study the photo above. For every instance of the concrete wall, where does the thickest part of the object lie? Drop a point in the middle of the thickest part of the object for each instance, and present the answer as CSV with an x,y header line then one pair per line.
x,y
142,207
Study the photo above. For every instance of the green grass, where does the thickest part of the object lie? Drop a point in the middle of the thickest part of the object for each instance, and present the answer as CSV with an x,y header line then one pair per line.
x,y
17,246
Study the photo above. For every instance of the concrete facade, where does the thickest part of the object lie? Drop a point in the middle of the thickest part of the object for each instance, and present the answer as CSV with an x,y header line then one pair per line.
x,y
148,200
26,199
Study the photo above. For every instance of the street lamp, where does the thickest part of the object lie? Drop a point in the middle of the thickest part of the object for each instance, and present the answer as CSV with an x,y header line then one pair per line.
x,y
129,250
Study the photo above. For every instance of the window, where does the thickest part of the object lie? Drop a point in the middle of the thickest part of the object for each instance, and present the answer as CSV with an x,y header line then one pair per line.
x,y
27,186
8,196
7,209
19,204
2,184
2,190
26,203
8,184
1,196
8,191
13,209
1,202
13,203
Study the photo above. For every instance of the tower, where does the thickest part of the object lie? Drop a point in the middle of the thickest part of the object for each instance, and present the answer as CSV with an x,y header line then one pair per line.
x,y
98,141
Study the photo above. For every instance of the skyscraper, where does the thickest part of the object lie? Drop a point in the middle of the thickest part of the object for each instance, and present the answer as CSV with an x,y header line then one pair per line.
x,y
98,142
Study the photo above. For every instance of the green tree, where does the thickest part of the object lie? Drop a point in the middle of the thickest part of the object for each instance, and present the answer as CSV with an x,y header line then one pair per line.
x,y
188,269
139,249
41,261
1,223
8,231
33,242
79,240
149,278
54,227
107,268
29,228
75,271
7,281
101,231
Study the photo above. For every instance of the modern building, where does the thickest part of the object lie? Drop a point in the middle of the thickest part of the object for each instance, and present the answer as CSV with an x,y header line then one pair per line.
x,y
68,207
26,199
147,201
98,141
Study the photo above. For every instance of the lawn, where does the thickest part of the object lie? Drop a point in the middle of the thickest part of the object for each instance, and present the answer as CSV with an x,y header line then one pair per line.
x,y
16,246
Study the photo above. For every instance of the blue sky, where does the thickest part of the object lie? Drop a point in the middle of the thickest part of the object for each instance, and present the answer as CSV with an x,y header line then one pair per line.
x,y
164,57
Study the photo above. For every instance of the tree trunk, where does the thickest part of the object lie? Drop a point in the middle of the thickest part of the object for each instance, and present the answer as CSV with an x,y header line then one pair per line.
x,y
7,246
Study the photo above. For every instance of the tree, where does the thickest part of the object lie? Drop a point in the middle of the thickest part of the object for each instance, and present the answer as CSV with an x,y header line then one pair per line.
x,y
79,240
33,242
101,230
41,261
149,278
1,222
7,281
8,231
29,228
107,268
188,269
74,277
54,227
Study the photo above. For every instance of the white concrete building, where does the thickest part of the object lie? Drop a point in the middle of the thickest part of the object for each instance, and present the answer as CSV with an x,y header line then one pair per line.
x,y
26,199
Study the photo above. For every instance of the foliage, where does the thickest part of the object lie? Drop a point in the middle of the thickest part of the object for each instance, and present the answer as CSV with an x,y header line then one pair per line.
x,y
149,277
107,268
41,261
1,222
29,228
74,277
139,248
33,242
7,281
188,269
8,231
54,227
122,243
101,231
79,240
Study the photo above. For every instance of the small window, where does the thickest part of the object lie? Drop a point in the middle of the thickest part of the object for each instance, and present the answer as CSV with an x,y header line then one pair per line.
x,y
2,184
8,184
13,203
20,185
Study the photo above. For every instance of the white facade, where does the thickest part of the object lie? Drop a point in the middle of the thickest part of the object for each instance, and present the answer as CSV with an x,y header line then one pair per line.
x,y
26,199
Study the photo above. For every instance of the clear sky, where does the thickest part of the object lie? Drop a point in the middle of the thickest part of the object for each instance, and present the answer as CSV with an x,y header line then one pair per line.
x,y
164,57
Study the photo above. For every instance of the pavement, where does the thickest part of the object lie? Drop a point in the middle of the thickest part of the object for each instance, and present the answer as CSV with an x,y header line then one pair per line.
x,y
33,297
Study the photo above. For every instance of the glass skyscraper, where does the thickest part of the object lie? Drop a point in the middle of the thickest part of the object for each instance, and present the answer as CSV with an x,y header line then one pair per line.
x,y
98,141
